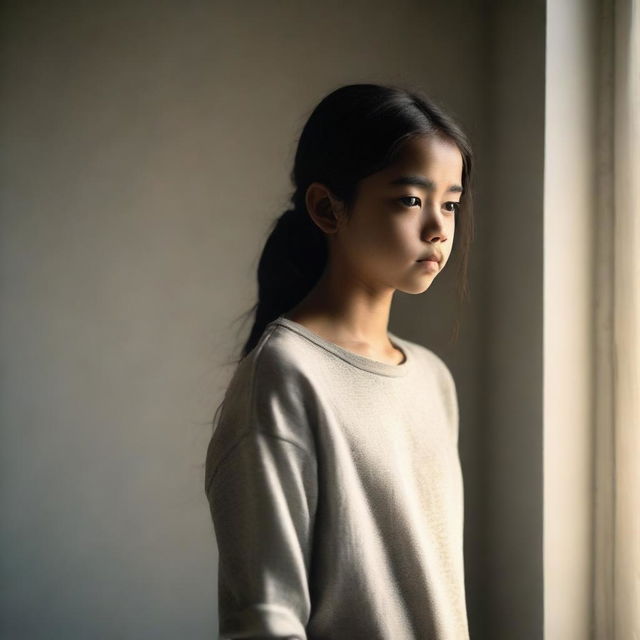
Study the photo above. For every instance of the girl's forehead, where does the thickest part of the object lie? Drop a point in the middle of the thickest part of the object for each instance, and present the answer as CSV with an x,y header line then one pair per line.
x,y
424,150
434,157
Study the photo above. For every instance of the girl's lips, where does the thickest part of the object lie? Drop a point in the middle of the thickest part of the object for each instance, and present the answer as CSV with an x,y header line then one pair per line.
x,y
431,265
431,256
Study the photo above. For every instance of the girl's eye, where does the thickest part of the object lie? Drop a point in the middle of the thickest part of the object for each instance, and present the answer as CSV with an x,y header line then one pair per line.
x,y
456,206
410,198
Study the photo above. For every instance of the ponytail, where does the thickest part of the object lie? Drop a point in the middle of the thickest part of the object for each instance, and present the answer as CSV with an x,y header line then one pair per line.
x,y
292,261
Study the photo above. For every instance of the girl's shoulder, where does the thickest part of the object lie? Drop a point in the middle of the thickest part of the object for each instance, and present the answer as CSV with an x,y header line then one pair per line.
x,y
278,376
268,395
277,359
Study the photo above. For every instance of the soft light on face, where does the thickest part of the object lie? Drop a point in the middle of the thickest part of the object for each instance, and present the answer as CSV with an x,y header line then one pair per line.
x,y
402,214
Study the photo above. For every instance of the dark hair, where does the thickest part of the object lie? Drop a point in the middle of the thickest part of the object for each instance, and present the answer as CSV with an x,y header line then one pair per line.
x,y
355,131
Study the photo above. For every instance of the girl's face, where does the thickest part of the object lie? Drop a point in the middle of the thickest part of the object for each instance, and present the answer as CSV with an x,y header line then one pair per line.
x,y
402,214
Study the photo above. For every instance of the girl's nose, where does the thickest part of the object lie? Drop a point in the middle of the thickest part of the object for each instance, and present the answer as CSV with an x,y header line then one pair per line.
x,y
433,223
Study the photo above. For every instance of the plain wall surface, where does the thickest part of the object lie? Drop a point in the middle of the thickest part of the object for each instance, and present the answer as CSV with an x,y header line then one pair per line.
x,y
511,385
146,150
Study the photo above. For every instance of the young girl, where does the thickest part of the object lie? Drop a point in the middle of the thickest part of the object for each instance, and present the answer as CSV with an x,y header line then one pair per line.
x,y
333,474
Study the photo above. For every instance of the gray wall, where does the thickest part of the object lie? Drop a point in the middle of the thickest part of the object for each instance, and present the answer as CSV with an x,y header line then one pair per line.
x,y
146,149
511,385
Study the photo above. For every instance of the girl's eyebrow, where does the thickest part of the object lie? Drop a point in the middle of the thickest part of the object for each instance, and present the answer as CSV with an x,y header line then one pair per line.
x,y
420,181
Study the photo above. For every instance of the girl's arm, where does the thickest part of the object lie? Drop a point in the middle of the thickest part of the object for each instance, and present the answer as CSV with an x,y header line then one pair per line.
x,y
263,496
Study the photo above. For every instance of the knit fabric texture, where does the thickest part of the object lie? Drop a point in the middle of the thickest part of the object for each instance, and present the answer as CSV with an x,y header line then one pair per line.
x,y
336,493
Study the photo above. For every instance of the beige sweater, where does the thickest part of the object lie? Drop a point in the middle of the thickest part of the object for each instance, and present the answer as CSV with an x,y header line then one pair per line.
x,y
336,494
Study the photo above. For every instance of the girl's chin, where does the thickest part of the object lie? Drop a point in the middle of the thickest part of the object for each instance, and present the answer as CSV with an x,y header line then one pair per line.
x,y
417,287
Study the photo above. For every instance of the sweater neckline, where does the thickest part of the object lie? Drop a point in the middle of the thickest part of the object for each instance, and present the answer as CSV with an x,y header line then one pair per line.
x,y
357,360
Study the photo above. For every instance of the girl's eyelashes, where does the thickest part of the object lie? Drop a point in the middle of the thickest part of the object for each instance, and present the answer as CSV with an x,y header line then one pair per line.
x,y
456,205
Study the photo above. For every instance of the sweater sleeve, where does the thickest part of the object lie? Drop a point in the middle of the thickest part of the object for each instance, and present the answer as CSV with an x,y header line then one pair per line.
x,y
262,494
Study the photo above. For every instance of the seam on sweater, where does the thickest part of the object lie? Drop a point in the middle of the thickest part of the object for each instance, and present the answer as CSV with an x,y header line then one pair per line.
x,y
242,437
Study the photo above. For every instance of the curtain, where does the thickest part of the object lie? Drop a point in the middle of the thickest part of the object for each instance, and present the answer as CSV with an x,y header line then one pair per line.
x,y
617,397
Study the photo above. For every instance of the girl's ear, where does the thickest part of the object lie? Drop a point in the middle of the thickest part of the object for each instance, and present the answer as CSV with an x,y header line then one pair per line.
x,y
325,210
